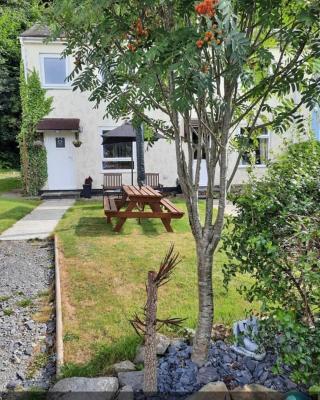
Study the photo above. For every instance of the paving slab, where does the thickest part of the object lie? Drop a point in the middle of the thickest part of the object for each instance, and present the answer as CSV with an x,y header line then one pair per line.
x,y
40,223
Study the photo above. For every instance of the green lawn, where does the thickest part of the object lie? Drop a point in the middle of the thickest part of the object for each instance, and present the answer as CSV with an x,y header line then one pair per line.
x,y
12,209
103,284
9,180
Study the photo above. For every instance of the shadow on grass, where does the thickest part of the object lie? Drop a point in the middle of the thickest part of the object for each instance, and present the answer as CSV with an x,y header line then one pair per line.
x,y
89,206
151,227
93,226
103,359
97,226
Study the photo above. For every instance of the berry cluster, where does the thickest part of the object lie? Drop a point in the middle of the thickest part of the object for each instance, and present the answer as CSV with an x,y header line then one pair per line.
x,y
207,8
208,37
139,33
140,30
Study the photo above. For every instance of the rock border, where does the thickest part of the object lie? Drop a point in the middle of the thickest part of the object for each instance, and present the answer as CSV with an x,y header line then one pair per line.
x,y
59,323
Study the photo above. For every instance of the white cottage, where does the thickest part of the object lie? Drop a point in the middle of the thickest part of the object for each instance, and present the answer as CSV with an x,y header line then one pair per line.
x,y
103,148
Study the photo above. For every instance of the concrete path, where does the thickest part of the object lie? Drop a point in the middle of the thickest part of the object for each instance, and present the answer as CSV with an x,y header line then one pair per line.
x,y
230,208
40,223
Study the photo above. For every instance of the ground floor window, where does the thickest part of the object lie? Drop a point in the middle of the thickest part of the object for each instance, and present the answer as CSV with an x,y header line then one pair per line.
x,y
117,153
258,148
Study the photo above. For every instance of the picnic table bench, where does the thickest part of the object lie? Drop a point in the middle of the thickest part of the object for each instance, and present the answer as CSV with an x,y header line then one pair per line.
x,y
135,199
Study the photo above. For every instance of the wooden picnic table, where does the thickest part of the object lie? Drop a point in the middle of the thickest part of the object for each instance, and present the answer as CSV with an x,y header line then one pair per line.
x,y
133,205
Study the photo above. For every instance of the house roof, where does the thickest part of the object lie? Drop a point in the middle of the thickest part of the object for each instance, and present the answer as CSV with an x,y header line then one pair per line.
x,y
36,30
59,124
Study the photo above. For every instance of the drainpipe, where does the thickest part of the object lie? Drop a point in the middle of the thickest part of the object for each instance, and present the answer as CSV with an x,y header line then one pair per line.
x,y
140,155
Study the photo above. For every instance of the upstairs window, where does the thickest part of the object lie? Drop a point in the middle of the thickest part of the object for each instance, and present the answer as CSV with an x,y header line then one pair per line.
x,y
316,122
54,70
259,148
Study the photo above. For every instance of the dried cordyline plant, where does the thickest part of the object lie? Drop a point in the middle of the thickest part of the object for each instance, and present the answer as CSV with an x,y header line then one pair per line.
x,y
150,324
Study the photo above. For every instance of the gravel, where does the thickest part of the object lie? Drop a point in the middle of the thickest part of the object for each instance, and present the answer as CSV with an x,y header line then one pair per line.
x,y
26,273
178,374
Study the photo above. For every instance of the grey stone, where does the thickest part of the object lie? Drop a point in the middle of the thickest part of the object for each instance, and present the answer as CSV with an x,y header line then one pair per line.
x,y
51,326
124,366
245,378
258,392
21,376
30,325
50,341
12,385
162,343
250,345
250,363
99,388
28,351
125,393
15,359
207,374
213,390
264,377
227,359
133,379
221,344
139,358
178,343
290,385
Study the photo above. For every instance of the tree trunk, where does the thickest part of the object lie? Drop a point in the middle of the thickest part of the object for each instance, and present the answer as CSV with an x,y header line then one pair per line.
x,y
150,356
24,165
206,308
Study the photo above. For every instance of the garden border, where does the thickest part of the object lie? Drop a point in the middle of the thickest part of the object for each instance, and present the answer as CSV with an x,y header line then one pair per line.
x,y
59,324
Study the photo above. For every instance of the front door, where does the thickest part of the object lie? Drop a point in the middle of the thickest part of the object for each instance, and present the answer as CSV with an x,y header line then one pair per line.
x,y
60,161
203,178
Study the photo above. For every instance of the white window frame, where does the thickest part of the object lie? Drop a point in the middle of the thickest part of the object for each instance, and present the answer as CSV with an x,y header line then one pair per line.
x,y
263,136
106,159
67,84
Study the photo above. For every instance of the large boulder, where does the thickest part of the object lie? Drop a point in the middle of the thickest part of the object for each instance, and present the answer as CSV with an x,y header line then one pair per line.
x,y
133,379
162,344
139,358
103,388
212,391
255,392
125,393
124,366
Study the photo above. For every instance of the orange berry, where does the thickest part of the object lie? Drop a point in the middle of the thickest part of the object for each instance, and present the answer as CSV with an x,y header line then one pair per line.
x,y
199,43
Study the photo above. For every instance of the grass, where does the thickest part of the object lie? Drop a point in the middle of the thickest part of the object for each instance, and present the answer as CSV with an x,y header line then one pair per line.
x,y
12,209
103,284
9,180
24,303
39,361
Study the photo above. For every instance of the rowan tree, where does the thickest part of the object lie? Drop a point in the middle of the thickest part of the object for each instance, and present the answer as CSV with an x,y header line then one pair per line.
x,y
222,62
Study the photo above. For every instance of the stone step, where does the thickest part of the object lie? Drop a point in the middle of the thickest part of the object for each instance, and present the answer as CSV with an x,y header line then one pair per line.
x,y
69,194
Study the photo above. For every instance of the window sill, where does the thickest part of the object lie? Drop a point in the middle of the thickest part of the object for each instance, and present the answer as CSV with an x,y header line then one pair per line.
x,y
254,166
110,171
60,87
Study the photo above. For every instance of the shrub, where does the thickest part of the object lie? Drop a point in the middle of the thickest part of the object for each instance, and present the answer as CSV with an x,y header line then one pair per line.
x,y
276,239
35,105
